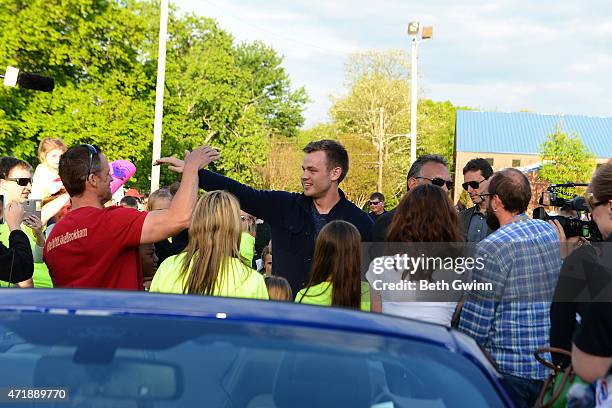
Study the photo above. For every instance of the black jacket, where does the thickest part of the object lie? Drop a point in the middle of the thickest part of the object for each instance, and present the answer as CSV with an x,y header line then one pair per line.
x,y
291,221
168,248
382,225
16,261
584,274
464,222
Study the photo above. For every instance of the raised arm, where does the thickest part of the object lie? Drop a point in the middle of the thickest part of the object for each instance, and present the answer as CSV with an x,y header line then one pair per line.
x,y
162,224
263,204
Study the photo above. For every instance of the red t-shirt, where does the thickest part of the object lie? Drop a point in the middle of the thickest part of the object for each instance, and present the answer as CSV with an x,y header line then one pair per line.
x,y
96,248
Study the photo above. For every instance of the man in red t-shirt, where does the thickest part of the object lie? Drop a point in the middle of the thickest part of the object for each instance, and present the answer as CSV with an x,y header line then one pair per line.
x,y
97,247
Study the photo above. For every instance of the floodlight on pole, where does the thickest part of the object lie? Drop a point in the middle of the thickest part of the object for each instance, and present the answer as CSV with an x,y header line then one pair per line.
x,y
413,32
413,28
159,93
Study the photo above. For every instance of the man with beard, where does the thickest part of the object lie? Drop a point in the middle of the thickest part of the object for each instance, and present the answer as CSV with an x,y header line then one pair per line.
x,y
522,264
476,175
95,246
296,219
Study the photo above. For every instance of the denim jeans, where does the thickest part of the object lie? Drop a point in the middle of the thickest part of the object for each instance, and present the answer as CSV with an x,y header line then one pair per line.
x,y
523,391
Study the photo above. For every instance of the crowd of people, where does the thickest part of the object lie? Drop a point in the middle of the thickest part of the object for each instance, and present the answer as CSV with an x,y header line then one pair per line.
x,y
306,247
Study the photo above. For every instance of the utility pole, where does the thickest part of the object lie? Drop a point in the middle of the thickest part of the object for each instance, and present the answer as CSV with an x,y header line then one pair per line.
x,y
381,145
159,93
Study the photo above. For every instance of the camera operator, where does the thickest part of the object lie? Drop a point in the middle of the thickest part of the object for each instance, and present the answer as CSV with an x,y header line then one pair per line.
x,y
16,261
592,343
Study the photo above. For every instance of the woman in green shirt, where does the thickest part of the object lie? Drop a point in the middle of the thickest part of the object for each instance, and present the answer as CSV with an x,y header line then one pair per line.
x,y
211,263
335,275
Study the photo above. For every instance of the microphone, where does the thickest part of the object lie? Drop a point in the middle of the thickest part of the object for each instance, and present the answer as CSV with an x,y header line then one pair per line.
x,y
27,80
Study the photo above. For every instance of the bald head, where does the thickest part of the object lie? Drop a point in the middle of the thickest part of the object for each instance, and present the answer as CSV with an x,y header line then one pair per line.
x,y
512,188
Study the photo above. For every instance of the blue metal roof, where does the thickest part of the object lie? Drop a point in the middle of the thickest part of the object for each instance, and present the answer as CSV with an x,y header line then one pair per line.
x,y
522,132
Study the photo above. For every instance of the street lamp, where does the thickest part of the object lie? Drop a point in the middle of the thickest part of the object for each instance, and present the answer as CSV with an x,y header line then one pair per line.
x,y
413,32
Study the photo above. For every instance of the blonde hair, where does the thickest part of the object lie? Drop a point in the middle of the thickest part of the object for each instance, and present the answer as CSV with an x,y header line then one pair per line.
x,y
161,194
214,238
48,144
278,288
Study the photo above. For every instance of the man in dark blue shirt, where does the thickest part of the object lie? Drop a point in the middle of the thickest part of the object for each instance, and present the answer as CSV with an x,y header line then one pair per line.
x,y
296,219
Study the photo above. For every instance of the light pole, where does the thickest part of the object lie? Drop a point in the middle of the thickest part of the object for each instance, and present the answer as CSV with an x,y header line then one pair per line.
x,y
159,93
413,32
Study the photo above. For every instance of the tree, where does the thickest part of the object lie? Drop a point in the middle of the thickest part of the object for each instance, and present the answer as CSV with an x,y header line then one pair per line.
x,y
282,169
103,56
378,80
565,159
436,129
376,109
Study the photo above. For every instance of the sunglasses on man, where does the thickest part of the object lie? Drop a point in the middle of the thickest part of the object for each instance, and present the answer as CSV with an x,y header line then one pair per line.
x,y
93,151
439,182
474,184
22,181
375,202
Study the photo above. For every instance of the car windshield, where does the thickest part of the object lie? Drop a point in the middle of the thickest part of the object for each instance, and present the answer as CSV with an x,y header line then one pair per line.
x,y
164,361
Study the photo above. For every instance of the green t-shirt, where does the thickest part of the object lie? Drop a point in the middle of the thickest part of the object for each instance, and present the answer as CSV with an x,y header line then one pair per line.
x,y
41,276
236,280
321,294
247,247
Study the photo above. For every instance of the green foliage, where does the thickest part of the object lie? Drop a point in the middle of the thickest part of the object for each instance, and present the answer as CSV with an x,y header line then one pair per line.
x,y
103,56
565,159
436,129
381,80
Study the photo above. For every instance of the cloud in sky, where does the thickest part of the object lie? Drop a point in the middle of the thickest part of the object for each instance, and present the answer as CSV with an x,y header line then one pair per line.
x,y
546,56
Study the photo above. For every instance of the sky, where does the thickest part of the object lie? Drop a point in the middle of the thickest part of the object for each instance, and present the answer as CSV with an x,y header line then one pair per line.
x,y
543,56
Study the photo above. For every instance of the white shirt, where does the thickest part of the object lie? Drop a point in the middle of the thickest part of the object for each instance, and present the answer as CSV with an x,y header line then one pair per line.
x,y
412,304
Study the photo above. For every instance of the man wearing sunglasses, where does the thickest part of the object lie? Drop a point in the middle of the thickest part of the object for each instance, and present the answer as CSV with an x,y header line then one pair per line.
x,y
16,185
95,246
472,221
377,205
427,169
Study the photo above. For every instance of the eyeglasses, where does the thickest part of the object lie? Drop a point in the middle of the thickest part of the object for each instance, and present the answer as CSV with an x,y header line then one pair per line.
x,y
375,202
22,181
438,182
473,184
93,151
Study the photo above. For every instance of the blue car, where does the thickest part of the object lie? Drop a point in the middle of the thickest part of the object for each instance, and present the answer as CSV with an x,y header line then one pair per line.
x,y
84,348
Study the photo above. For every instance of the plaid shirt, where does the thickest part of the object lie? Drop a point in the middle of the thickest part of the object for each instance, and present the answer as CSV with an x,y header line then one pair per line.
x,y
522,261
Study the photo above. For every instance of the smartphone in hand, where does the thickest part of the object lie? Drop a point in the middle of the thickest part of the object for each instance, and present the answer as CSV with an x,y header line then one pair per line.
x,y
32,207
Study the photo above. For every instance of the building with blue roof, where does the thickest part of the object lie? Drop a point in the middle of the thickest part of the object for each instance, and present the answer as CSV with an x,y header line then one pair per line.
x,y
513,139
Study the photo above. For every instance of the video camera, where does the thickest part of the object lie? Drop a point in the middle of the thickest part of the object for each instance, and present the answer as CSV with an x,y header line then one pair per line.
x,y
572,227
